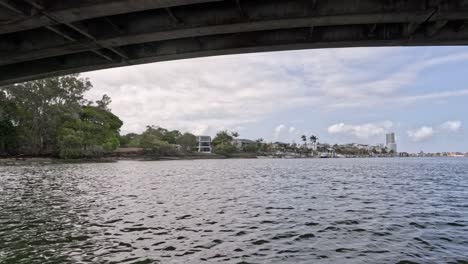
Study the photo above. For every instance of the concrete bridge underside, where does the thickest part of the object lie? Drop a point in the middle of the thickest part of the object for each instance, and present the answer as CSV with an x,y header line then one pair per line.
x,y
40,38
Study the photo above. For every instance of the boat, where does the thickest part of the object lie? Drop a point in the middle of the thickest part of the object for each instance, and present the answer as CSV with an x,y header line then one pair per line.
x,y
265,157
456,155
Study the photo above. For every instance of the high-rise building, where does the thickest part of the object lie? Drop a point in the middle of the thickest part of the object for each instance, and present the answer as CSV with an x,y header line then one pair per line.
x,y
391,142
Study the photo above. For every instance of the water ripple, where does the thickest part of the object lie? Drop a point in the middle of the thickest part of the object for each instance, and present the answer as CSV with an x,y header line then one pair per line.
x,y
236,211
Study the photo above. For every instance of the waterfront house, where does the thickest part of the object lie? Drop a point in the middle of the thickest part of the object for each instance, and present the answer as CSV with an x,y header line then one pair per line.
x,y
242,143
279,145
203,144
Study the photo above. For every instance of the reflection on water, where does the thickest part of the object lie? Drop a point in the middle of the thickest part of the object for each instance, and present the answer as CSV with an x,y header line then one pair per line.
x,y
236,211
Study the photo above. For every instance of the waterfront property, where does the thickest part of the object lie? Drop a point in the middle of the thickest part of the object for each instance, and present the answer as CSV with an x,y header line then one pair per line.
x,y
278,144
203,144
242,143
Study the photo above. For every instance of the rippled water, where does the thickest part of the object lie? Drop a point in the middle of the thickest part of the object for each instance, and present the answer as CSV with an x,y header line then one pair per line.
x,y
236,211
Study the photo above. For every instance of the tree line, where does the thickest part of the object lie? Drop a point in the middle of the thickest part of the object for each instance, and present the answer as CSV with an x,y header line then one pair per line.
x,y
223,144
159,141
51,117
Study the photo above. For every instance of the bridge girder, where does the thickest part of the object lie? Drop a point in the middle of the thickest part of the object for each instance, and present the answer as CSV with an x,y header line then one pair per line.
x,y
40,38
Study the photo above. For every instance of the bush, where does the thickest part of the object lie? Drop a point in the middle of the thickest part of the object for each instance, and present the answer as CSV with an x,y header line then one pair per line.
x,y
158,147
251,148
70,146
224,149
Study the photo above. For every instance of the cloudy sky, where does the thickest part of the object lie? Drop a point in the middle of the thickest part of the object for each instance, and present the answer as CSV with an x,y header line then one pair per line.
x,y
340,95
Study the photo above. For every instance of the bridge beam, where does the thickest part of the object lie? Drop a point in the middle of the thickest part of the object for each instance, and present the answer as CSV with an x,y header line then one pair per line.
x,y
17,7
346,36
40,38
72,11
141,34
435,27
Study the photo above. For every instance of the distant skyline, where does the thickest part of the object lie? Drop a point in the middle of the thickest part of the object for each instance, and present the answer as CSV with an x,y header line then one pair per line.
x,y
341,95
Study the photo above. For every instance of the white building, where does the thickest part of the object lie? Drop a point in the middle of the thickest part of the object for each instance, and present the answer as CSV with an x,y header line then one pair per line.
x,y
312,146
361,146
391,142
203,144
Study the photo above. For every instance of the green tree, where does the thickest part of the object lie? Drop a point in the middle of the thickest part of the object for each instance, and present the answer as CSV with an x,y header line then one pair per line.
x,y
128,140
304,146
251,148
104,102
313,139
187,141
155,131
134,142
7,136
7,129
152,140
93,133
163,134
222,137
156,147
224,149
266,147
261,146
101,128
40,107
171,136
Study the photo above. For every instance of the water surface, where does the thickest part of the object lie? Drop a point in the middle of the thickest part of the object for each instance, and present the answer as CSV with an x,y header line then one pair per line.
x,y
236,211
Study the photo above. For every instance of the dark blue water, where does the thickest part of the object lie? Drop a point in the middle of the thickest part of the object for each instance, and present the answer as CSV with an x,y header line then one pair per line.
x,y
236,211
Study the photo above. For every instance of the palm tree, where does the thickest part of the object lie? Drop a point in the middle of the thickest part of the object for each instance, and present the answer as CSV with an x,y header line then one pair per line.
x,y
304,138
314,139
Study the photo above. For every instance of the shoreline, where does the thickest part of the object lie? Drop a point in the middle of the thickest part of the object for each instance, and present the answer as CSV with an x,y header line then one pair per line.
x,y
112,159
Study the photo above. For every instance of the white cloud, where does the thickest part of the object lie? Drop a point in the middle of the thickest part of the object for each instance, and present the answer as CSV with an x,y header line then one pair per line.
x,y
204,95
363,131
421,134
431,96
208,94
452,126
291,130
278,130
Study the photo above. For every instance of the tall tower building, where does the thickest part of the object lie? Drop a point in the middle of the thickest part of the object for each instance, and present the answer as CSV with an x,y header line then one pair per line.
x,y
391,142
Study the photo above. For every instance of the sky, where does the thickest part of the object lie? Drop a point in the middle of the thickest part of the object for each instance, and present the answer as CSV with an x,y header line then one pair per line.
x,y
350,95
